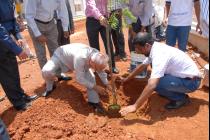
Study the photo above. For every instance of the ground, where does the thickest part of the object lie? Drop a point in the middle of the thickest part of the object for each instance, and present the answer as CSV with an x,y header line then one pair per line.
x,y
66,114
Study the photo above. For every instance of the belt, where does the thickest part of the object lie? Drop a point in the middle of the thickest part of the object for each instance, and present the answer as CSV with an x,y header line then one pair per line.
x,y
193,78
43,22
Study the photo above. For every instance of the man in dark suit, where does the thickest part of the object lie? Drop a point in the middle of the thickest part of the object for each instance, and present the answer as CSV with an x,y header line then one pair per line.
x,y
9,73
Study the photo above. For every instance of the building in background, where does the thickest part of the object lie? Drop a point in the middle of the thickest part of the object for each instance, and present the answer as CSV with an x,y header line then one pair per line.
x,y
78,8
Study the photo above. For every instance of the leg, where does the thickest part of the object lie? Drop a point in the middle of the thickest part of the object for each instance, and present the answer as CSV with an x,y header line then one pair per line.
x,y
93,96
171,36
61,39
10,80
182,35
120,38
176,88
114,38
103,36
39,49
92,27
49,72
52,36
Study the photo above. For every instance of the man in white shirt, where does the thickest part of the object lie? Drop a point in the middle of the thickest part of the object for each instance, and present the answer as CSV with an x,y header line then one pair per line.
x,y
173,75
83,60
42,27
179,15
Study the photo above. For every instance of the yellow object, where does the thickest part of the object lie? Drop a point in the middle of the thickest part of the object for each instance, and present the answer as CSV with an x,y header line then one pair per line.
x,y
18,8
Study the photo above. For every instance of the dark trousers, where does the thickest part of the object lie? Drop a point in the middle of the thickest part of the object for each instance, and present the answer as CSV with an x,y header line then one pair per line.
x,y
136,27
118,38
10,78
61,39
93,28
3,132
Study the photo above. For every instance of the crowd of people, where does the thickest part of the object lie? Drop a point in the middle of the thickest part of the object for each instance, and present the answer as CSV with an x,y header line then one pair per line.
x,y
50,24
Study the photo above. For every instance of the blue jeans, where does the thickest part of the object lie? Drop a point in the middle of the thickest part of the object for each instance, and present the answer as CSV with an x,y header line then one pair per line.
x,y
175,88
180,33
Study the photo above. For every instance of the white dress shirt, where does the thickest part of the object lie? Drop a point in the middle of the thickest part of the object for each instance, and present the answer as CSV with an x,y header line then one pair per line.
x,y
76,57
43,10
170,60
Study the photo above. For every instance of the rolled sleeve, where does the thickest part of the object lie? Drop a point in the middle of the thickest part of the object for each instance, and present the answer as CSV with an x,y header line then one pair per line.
x,y
159,66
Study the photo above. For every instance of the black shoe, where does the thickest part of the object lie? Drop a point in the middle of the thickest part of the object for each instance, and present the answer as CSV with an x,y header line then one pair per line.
x,y
64,78
47,93
30,98
115,70
177,104
97,107
23,107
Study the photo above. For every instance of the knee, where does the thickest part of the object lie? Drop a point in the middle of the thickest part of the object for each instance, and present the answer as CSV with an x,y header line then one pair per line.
x,y
46,73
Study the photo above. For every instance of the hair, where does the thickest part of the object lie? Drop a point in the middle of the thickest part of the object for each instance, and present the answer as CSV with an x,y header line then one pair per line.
x,y
100,59
142,39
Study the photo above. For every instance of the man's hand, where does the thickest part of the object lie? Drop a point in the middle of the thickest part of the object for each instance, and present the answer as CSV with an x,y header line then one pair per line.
x,y
72,31
121,80
129,109
198,29
42,39
22,55
20,42
66,34
103,21
100,90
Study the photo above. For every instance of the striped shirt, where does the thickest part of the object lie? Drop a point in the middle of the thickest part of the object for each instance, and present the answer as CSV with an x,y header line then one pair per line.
x,y
204,17
114,5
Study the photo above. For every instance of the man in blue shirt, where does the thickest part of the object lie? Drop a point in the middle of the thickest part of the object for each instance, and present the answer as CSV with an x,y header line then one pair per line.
x,y
7,19
9,73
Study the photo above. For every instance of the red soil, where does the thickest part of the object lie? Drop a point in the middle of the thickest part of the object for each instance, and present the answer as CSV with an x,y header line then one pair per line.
x,y
66,114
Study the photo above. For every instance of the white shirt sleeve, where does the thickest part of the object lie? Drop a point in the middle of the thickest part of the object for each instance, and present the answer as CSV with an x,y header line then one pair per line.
x,y
30,13
63,15
103,77
147,61
79,66
159,66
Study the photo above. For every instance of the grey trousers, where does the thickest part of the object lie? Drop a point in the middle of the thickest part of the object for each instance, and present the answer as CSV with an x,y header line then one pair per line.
x,y
54,67
51,33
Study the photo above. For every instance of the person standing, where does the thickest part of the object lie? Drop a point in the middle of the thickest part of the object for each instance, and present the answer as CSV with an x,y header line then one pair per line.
x,y
142,10
174,73
96,22
117,34
9,73
61,39
42,27
179,15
